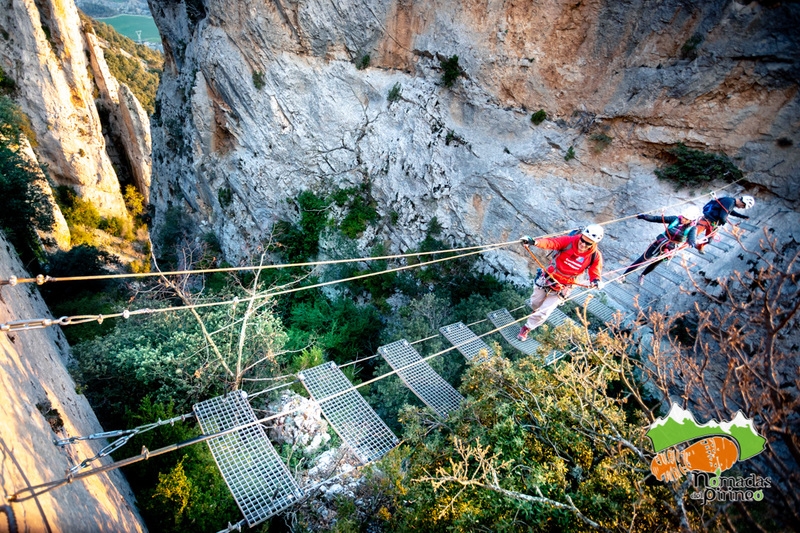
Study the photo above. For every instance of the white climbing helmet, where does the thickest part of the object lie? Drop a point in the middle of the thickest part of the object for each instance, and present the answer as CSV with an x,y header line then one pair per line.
x,y
594,232
748,201
692,212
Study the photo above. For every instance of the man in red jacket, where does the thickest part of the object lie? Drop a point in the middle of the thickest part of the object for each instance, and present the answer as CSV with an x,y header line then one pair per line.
x,y
575,254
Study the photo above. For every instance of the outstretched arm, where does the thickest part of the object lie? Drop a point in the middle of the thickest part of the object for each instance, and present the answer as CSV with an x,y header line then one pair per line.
x,y
657,218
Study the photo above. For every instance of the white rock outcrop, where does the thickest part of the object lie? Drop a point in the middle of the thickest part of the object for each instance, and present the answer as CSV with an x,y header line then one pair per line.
x,y
304,428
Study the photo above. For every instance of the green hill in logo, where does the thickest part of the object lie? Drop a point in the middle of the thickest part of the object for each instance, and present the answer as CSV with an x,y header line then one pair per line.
x,y
680,426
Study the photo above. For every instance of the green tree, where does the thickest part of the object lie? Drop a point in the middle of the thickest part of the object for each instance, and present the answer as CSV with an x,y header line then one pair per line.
x,y
533,448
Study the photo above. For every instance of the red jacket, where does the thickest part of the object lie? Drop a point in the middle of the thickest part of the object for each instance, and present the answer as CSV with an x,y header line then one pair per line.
x,y
568,262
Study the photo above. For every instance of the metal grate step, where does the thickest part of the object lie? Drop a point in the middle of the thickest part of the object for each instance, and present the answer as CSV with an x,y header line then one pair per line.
x,y
418,376
626,300
557,318
470,345
260,483
501,318
595,307
348,412
747,226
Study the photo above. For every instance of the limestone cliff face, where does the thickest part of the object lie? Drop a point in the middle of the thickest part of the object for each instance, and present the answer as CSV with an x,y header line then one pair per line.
x,y
40,405
129,122
55,66
263,99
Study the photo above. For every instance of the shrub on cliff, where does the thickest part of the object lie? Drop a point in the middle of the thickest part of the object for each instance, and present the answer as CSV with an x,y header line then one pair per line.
x,y
450,71
692,168
26,207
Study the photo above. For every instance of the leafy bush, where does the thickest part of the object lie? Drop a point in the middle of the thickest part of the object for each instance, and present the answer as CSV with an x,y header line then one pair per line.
x,y
225,197
363,63
601,141
114,226
343,329
78,297
181,491
692,168
175,229
689,48
258,80
134,201
539,117
570,154
76,210
450,71
523,433
7,85
360,214
301,242
394,93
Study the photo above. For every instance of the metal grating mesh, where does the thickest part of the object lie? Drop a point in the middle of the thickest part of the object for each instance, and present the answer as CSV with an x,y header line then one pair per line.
x,y
747,226
256,476
423,381
466,342
601,311
501,318
557,317
624,298
349,413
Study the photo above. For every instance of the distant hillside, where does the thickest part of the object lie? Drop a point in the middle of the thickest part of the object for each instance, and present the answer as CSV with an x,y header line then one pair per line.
x,y
135,65
109,8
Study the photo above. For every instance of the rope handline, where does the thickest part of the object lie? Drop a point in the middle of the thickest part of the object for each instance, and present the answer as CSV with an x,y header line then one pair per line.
x,y
663,208
42,279
81,319
259,393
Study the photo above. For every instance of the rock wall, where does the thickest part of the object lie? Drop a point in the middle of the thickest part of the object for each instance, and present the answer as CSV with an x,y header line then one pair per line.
x,y
129,123
263,99
42,50
57,68
40,404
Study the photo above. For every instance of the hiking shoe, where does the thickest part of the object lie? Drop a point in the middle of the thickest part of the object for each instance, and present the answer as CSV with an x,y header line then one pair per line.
x,y
641,279
523,333
701,251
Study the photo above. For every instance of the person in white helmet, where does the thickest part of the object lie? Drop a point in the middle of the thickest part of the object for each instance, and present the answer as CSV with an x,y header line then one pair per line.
x,y
715,215
679,229
575,254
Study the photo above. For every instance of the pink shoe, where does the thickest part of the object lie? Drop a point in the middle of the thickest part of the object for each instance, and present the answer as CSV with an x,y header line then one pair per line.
x,y
523,333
